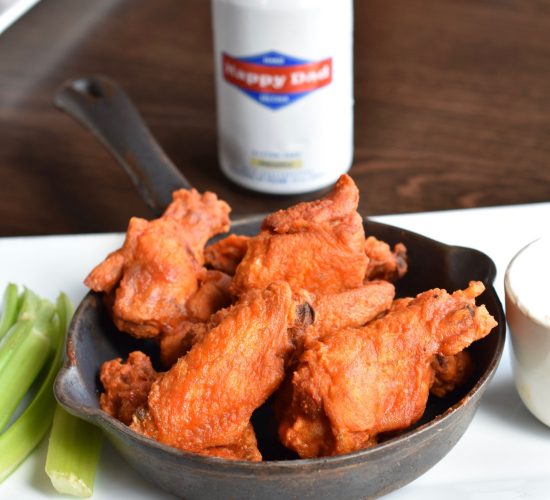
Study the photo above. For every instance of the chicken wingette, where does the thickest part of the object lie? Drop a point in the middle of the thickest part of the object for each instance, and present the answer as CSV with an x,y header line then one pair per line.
x,y
354,384
157,270
204,402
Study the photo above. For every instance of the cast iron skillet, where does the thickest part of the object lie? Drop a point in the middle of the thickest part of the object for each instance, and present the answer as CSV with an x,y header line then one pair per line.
x,y
102,107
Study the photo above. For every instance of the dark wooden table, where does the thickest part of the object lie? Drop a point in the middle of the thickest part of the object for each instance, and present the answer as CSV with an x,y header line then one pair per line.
x,y
452,107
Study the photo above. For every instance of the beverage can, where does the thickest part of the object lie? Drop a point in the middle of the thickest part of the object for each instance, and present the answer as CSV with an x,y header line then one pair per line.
x,y
284,91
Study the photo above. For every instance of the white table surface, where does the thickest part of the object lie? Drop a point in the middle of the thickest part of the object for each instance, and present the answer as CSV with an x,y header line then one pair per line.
x,y
504,454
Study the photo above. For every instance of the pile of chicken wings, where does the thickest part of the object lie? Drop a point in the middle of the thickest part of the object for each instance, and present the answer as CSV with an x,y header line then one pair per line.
x,y
304,311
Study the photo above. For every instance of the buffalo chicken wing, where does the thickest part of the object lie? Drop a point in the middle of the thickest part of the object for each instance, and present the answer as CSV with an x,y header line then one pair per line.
x,y
318,246
354,384
204,402
157,270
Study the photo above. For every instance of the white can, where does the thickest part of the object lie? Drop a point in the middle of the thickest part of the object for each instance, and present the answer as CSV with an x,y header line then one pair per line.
x,y
284,87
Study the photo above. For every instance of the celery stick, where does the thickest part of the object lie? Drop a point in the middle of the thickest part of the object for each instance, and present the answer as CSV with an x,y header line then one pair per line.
x,y
10,308
73,454
15,337
23,353
18,441
29,305
35,316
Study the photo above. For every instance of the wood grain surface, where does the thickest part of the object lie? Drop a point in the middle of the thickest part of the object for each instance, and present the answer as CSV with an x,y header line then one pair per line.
x,y
452,107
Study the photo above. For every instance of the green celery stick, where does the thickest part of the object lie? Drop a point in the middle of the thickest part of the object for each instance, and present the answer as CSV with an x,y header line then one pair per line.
x,y
29,305
73,454
18,441
73,450
28,308
10,308
23,353
14,338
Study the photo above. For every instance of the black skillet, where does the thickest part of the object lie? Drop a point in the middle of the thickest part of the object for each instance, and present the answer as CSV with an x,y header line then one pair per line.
x,y
101,106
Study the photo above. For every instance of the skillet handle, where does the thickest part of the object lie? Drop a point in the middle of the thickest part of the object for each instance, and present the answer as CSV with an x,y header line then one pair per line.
x,y
104,109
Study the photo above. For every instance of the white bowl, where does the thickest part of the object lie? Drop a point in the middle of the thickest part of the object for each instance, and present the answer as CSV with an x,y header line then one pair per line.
x,y
526,286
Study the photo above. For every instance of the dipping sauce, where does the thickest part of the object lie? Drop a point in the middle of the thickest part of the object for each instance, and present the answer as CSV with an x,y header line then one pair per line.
x,y
528,315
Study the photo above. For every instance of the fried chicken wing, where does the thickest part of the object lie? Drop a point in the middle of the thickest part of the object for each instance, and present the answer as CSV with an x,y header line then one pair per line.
x,y
318,246
107,275
204,402
200,216
448,372
158,268
385,264
126,385
354,384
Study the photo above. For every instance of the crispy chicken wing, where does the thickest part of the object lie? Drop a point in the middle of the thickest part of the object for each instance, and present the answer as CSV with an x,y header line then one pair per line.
x,y
318,246
204,402
448,372
385,264
158,268
357,383
126,385
107,275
